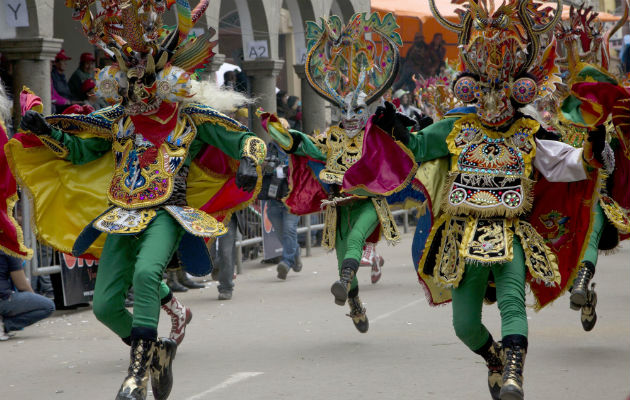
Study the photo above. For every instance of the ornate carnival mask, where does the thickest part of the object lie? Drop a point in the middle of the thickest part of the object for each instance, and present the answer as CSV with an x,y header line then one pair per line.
x,y
153,62
353,65
500,55
355,115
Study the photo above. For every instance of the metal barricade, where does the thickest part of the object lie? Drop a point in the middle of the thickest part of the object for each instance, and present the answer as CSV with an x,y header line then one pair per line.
x,y
309,224
249,243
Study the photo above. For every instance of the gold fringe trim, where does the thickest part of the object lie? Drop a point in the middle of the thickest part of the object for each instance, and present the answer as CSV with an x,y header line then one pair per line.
x,y
423,260
499,210
11,202
539,259
389,228
330,227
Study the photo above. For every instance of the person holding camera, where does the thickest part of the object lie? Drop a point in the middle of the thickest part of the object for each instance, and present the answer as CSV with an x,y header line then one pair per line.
x,y
275,186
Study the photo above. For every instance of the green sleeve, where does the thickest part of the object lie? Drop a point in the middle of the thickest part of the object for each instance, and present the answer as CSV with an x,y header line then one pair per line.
x,y
80,150
430,143
229,142
306,148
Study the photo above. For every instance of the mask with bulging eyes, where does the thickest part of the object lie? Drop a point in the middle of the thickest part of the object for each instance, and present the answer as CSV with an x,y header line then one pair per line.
x,y
354,113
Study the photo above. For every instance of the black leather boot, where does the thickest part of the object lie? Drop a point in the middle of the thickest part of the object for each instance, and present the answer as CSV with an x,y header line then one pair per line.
x,y
579,292
492,354
515,350
588,315
340,288
357,313
134,387
186,281
173,283
161,368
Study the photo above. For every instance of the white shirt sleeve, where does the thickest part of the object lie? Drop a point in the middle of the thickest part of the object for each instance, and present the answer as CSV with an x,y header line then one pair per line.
x,y
559,162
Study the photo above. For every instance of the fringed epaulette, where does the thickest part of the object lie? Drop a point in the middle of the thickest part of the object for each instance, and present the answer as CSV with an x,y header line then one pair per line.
x,y
201,114
98,123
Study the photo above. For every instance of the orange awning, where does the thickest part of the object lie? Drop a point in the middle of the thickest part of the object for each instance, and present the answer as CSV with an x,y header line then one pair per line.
x,y
422,11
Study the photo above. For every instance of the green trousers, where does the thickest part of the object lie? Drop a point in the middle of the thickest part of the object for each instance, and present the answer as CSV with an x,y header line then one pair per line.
x,y
596,233
355,223
137,260
468,300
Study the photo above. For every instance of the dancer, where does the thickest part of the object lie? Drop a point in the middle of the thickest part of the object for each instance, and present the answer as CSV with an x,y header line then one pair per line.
x,y
592,87
494,151
352,167
177,165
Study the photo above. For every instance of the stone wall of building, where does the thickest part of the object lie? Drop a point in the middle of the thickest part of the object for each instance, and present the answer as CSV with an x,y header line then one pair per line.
x,y
279,24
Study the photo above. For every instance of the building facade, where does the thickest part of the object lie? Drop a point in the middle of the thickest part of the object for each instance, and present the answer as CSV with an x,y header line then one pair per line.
x,y
265,38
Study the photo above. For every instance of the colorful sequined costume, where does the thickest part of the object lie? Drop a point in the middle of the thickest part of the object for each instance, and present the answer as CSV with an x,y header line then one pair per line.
x,y
11,235
178,168
350,169
494,155
594,98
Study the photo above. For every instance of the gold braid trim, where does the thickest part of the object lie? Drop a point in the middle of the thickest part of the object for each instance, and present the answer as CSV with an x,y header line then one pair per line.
x,y
436,227
330,227
386,219
202,114
56,146
449,263
82,128
255,149
539,259
617,215
11,201
487,241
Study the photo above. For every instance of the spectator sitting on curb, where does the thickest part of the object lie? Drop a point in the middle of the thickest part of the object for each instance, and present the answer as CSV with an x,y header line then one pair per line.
x,y
20,308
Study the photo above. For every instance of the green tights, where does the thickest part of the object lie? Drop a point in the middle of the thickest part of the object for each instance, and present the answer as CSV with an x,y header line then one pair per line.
x,y
139,260
596,233
355,223
468,300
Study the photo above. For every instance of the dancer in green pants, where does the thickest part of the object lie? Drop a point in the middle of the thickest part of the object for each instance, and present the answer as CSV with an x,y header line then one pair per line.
x,y
493,152
178,168
351,168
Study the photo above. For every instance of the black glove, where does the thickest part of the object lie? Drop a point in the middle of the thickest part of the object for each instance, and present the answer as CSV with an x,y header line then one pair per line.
x,y
422,121
246,176
395,124
36,123
597,138
384,117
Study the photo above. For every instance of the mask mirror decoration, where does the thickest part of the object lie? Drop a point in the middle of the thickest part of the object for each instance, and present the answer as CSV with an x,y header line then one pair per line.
x,y
524,90
467,89
352,65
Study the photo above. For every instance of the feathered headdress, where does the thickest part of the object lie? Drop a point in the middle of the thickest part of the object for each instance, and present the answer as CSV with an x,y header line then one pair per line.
x,y
360,57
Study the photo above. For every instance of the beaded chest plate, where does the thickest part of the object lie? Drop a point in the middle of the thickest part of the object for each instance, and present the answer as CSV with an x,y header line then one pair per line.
x,y
143,174
490,176
341,153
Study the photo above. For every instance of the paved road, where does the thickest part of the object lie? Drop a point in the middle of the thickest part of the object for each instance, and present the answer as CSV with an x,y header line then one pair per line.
x,y
288,340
